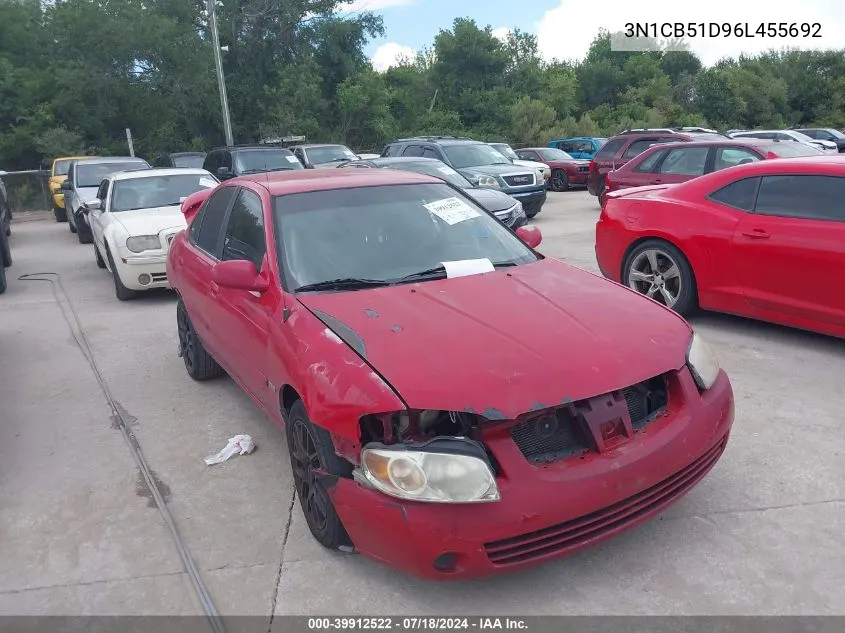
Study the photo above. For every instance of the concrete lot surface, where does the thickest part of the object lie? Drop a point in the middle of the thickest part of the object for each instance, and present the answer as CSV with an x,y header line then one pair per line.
x,y
762,534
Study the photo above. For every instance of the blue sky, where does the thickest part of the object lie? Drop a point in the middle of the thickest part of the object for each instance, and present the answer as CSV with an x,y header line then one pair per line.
x,y
564,28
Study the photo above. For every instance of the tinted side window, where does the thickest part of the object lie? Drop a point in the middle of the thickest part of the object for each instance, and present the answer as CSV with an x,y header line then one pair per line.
x,y
207,227
567,146
430,153
413,150
610,148
210,163
802,196
685,162
584,146
392,150
649,164
730,156
739,194
103,191
245,232
638,147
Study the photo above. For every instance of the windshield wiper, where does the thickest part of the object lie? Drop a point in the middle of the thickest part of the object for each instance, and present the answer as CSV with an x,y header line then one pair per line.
x,y
346,283
438,272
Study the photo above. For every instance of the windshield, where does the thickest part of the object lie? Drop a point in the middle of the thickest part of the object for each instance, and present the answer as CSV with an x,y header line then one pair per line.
x,y
189,160
157,191
434,168
800,136
474,155
791,150
553,154
505,149
385,233
329,154
60,167
92,175
835,133
255,161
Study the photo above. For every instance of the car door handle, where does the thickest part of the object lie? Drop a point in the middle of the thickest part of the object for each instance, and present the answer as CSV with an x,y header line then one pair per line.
x,y
757,234
214,288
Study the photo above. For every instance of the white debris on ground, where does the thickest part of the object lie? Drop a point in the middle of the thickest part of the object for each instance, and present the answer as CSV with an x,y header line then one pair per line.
x,y
238,445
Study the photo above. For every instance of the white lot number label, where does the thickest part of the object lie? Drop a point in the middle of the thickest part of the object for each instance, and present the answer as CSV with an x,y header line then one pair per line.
x,y
292,159
452,210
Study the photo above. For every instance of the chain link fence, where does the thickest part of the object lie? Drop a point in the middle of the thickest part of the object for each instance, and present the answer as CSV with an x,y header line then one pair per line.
x,y
27,190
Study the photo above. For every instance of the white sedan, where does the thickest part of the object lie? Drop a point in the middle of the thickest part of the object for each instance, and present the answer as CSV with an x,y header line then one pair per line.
x,y
134,217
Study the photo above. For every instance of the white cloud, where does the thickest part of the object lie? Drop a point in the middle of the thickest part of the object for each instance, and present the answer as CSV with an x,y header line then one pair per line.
x,y
566,31
374,5
391,54
502,33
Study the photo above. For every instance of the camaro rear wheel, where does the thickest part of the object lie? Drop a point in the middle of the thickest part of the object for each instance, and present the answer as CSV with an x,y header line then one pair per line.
x,y
311,450
659,270
198,363
560,181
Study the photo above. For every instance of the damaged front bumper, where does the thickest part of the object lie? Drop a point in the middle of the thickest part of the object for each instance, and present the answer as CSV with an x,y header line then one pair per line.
x,y
551,510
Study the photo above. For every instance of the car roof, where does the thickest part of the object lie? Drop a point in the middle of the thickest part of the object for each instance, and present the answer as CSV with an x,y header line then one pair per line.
x,y
72,158
111,159
187,154
279,183
442,140
398,159
235,148
749,142
163,171
313,145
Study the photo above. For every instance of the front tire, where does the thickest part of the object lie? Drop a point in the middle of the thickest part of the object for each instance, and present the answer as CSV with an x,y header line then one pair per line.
x,y
198,363
5,251
71,222
311,449
120,291
84,236
659,270
560,181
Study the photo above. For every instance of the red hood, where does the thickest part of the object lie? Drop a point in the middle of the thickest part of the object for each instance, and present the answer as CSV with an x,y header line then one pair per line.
x,y
507,342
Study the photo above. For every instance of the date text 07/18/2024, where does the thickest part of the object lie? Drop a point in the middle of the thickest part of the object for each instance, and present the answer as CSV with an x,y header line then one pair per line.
x,y
680,30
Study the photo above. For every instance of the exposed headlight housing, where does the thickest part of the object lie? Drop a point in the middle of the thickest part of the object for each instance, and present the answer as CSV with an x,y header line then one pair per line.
x,y
485,180
516,210
141,243
702,363
431,471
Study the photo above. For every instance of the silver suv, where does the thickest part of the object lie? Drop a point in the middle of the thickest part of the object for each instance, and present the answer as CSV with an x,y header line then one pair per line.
x,y
83,179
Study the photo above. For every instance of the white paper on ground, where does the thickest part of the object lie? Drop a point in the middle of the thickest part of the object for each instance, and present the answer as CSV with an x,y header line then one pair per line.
x,y
238,445
452,210
292,159
207,182
467,267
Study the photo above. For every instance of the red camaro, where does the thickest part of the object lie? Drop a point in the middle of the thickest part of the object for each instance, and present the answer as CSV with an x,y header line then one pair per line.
x,y
674,163
762,240
375,314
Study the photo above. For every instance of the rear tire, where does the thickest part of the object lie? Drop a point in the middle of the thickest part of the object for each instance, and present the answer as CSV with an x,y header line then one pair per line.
x,y
60,214
70,223
600,189
5,251
198,363
311,448
675,275
84,237
2,279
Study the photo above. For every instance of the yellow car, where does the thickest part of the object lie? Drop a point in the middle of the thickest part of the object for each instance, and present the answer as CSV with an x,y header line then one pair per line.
x,y
58,174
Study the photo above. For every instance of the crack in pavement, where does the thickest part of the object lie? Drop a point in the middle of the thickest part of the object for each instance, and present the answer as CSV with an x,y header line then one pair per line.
x,y
275,598
89,583
805,504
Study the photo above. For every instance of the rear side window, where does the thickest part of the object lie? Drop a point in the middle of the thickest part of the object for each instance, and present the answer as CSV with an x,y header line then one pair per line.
x,y
638,147
739,194
413,150
610,148
430,153
731,156
649,164
688,161
207,227
809,197
392,150
245,231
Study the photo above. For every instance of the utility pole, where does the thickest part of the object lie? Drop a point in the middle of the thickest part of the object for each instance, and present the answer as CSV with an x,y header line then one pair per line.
x,y
218,62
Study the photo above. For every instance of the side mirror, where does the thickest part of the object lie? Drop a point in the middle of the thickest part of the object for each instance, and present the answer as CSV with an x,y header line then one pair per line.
x,y
66,185
531,235
238,274
224,173
93,205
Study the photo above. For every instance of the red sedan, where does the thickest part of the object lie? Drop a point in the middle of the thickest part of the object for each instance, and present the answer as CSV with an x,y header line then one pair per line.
x,y
373,313
566,171
675,163
762,240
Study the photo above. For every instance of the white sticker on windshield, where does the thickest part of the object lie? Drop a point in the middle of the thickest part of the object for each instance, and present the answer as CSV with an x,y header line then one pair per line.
x,y
466,267
292,159
452,210
446,170
207,182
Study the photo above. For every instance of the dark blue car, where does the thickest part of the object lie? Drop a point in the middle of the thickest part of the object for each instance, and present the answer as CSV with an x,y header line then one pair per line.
x,y
582,147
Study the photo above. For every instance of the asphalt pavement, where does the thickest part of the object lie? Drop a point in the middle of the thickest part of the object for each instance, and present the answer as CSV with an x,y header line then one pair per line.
x,y
80,535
